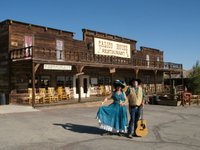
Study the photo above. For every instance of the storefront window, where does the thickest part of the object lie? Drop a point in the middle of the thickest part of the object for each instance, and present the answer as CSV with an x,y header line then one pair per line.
x,y
107,81
30,82
60,81
93,81
104,80
100,80
69,81
45,80
64,81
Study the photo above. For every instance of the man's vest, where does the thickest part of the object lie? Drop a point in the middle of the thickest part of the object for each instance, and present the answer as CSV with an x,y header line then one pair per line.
x,y
135,98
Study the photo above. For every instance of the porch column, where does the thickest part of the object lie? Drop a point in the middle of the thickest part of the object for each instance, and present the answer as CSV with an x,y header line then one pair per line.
x,y
79,87
170,80
155,80
79,69
33,84
182,78
34,69
112,72
136,73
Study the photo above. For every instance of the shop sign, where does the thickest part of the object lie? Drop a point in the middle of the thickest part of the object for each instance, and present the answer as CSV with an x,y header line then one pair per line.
x,y
111,48
112,70
57,67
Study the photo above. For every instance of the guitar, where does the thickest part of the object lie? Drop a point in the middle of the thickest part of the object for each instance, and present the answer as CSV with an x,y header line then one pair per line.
x,y
141,129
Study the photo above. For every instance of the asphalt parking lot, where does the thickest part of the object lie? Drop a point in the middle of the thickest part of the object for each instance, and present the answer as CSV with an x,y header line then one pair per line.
x,y
74,127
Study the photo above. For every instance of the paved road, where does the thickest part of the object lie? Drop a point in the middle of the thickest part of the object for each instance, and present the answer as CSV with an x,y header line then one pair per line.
x,y
74,127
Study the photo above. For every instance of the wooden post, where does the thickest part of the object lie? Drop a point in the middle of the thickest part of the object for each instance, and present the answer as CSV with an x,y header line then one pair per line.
x,y
33,85
155,81
111,77
79,87
112,71
9,64
170,80
182,79
136,73
79,69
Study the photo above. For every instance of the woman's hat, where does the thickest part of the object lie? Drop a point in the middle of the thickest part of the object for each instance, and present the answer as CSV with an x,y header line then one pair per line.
x,y
119,83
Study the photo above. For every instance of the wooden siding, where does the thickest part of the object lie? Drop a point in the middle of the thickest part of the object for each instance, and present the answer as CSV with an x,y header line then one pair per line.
x,y
89,35
153,54
42,55
42,36
20,74
4,59
80,52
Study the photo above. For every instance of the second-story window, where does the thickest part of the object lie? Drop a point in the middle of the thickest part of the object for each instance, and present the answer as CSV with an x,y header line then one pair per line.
x,y
28,42
147,59
158,58
59,50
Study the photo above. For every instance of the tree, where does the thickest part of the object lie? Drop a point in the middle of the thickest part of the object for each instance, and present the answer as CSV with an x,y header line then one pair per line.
x,y
194,79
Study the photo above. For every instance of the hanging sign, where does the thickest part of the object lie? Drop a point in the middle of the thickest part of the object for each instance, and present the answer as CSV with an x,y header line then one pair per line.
x,y
112,70
57,67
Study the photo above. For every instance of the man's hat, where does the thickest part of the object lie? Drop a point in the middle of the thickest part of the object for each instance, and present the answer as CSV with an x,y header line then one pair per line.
x,y
139,81
131,81
119,83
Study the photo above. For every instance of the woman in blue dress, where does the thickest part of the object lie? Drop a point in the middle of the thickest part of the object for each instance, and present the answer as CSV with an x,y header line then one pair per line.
x,y
113,118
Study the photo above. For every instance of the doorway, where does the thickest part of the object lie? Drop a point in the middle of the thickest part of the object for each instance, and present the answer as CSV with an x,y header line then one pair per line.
x,y
84,84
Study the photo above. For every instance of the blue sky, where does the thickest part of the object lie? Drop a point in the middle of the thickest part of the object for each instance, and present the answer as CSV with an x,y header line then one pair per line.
x,y
172,26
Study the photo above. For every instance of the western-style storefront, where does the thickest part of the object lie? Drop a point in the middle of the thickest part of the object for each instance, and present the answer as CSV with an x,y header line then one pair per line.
x,y
47,66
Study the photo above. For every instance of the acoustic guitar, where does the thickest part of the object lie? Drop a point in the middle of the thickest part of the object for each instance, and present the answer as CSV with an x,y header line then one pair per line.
x,y
141,129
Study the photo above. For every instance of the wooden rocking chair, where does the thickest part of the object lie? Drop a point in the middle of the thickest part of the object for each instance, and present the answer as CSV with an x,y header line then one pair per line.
x,y
68,93
52,96
30,97
61,94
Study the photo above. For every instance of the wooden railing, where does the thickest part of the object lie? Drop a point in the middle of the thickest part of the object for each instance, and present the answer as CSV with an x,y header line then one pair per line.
x,y
87,57
21,53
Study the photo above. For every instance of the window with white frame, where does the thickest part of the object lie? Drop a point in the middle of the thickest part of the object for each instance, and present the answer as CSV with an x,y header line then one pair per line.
x,y
158,58
28,42
59,49
148,60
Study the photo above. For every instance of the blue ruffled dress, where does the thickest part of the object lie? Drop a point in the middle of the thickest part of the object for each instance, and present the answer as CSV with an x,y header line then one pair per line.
x,y
113,117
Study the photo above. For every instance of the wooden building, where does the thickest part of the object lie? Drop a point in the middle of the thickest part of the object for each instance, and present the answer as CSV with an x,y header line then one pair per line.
x,y
44,65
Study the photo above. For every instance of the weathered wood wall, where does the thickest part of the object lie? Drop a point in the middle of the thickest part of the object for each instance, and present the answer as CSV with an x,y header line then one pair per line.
x,y
20,74
153,54
89,35
4,59
43,36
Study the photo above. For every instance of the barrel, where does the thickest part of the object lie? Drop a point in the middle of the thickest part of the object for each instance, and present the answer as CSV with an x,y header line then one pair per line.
x,y
2,99
154,99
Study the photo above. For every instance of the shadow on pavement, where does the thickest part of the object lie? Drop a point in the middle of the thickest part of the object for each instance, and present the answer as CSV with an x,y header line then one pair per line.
x,y
80,128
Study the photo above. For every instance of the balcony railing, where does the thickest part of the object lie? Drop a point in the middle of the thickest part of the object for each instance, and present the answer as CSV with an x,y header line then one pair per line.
x,y
87,57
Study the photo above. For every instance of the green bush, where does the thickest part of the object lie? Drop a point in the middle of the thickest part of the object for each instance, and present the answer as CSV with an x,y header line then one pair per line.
x,y
194,79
